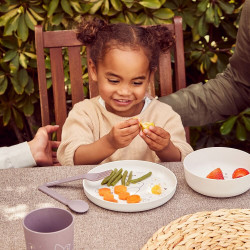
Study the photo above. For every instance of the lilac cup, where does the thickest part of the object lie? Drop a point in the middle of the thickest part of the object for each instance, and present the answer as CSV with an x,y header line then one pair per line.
x,y
49,229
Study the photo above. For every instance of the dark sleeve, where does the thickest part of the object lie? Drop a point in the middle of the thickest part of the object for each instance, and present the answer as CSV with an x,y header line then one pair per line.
x,y
227,94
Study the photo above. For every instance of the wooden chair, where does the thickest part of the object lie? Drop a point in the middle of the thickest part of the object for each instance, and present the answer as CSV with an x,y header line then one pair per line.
x,y
55,41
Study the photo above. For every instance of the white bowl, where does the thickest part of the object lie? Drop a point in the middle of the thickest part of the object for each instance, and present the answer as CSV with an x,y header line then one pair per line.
x,y
198,164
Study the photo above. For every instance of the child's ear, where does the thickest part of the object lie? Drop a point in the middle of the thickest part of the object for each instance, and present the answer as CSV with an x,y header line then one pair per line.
x,y
92,70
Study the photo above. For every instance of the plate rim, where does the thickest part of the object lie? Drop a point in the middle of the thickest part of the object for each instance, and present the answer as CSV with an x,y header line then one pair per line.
x,y
136,207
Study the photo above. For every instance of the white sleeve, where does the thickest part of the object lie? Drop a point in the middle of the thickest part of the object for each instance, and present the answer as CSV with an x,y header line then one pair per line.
x,y
17,156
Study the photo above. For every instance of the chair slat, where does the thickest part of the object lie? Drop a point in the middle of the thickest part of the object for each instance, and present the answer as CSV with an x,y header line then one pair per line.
x,y
61,38
58,88
165,73
42,76
180,73
76,74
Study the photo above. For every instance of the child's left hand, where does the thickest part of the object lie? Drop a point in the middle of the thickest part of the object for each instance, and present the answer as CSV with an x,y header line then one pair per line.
x,y
156,138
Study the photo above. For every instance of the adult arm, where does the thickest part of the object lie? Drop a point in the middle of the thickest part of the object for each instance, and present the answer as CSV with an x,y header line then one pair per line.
x,y
35,152
17,156
227,94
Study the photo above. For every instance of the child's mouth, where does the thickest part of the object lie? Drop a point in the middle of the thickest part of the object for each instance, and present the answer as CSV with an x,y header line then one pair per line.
x,y
122,102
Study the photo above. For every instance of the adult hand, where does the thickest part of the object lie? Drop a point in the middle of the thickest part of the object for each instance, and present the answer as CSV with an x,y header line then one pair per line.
x,y
122,134
42,148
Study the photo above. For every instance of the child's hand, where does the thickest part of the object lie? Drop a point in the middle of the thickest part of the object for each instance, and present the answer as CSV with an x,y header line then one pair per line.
x,y
122,134
157,138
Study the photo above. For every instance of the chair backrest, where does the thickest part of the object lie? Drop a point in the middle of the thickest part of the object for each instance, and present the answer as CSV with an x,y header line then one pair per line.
x,y
56,41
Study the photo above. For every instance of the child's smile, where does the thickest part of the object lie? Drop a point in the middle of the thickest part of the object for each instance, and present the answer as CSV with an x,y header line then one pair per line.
x,y
123,102
123,77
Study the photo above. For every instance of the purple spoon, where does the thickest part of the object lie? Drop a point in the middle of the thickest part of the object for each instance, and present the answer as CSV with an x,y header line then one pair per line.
x,y
78,206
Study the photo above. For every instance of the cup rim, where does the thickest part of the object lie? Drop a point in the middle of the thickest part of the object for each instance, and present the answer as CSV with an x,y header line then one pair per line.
x,y
56,208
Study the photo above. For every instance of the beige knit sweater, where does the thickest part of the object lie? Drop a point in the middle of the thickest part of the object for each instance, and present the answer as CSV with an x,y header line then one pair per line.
x,y
88,121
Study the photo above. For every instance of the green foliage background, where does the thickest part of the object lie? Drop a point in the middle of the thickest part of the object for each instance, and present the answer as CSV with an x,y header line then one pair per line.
x,y
210,28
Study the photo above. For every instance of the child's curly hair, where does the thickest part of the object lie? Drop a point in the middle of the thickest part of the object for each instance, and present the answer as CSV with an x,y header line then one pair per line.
x,y
102,36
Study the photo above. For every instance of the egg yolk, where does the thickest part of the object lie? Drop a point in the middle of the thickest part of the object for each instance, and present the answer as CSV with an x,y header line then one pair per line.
x,y
156,189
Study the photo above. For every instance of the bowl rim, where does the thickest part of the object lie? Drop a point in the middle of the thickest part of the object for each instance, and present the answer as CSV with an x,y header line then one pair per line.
x,y
215,180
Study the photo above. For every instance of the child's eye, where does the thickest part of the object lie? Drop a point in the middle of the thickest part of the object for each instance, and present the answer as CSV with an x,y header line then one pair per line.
x,y
137,83
113,81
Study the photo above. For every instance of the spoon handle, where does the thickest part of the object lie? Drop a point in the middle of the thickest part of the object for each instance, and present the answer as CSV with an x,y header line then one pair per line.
x,y
54,194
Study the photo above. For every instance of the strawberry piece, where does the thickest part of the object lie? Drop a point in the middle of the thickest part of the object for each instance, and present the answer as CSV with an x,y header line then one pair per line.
x,y
240,172
216,174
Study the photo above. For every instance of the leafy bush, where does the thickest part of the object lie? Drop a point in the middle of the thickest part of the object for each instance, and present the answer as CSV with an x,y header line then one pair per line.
x,y
210,29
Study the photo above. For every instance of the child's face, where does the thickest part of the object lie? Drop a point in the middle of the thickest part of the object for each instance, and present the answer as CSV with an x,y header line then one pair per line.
x,y
123,77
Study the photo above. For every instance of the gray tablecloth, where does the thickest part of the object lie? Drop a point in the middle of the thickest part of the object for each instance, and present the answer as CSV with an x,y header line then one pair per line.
x,y
98,228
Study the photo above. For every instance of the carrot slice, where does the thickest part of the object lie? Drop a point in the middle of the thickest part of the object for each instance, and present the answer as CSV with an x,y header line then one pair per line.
x,y
109,197
119,189
123,195
134,198
103,191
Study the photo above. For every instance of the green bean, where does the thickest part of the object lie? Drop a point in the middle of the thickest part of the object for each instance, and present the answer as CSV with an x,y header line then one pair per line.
x,y
116,180
106,179
129,178
114,177
114,173
141,178
124,177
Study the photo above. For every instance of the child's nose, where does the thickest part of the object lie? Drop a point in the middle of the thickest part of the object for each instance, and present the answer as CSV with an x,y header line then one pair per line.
x,y
124,90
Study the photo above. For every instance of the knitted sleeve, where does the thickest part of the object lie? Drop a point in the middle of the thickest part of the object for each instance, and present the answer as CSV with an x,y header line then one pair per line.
x,y
77,130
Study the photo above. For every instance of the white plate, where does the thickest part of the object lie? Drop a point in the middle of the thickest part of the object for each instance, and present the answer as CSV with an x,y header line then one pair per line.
x,y
160,175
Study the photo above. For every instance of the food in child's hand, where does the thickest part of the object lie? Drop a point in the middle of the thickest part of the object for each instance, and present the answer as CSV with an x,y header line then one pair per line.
x,y
123,195
216,174
156,189
135,198
240,172
109,197
103,191
119,189
146,125
141,178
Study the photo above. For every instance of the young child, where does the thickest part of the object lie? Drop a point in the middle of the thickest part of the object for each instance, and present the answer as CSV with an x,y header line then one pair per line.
x,y
123,60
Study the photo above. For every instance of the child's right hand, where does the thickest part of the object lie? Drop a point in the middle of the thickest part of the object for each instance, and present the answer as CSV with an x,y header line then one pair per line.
x,y
122,134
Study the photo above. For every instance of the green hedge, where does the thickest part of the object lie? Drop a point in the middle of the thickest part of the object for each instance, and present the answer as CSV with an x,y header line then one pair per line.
x,y
210,29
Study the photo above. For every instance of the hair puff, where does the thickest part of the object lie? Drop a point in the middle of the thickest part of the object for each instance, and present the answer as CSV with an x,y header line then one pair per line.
x,y
89,28
162,36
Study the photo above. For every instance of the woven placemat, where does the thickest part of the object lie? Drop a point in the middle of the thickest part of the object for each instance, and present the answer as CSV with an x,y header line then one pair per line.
x,y
221,229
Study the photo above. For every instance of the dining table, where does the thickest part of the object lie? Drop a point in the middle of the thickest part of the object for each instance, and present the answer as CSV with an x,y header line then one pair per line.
x,y
98,228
